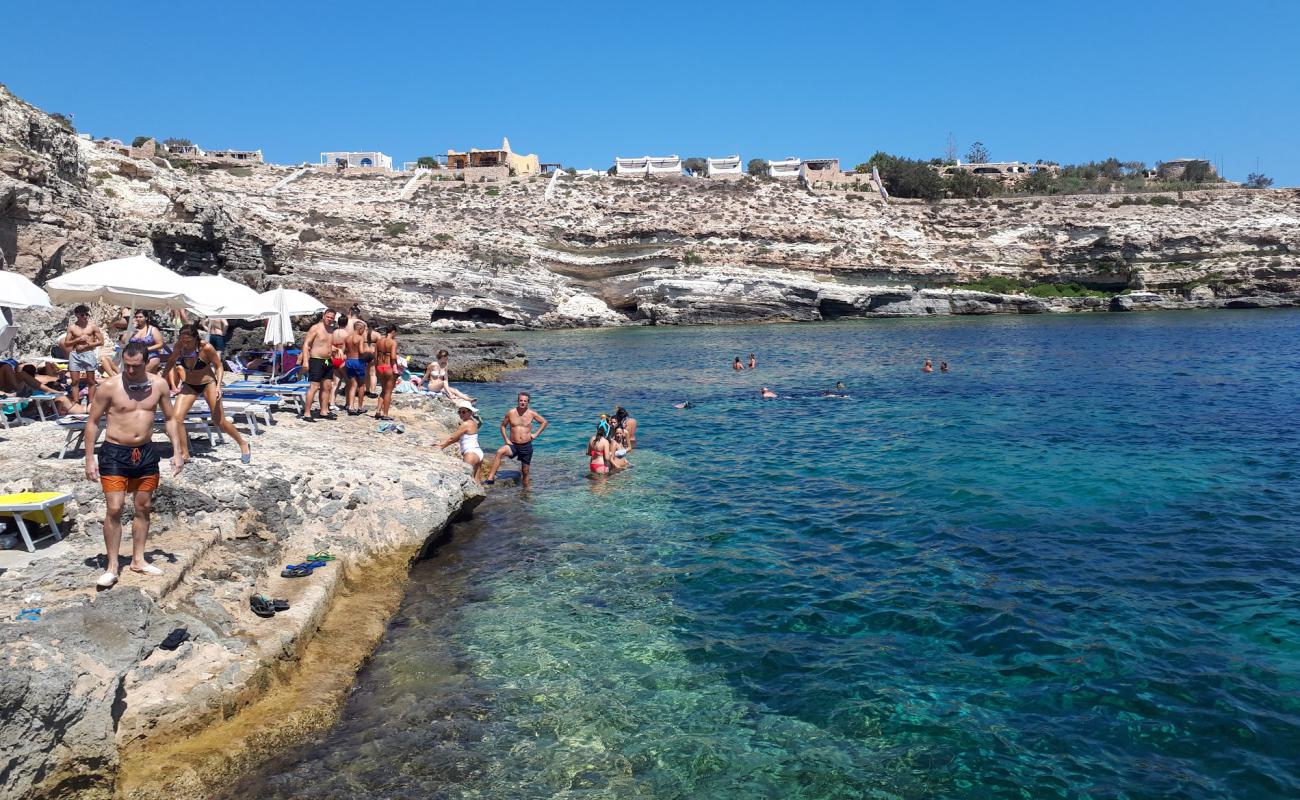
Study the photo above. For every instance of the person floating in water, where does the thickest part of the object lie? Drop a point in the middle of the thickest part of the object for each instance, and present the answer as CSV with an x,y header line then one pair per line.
x,y
943,366
839,386
839,391
766,393
927,366
684,404
736,365
753,362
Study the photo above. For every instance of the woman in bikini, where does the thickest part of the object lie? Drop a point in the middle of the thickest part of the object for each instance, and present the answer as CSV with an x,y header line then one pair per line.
x,y
200,371
467,434
437,382
598,449
147,333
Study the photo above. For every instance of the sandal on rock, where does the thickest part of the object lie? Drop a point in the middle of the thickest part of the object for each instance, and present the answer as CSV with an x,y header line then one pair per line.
x,y
260,607
295,571
175,639
29,615
280,605
106,580
320,555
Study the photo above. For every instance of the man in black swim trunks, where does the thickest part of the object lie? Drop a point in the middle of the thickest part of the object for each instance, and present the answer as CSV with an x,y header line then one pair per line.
x,y
318,347
128,463
517,430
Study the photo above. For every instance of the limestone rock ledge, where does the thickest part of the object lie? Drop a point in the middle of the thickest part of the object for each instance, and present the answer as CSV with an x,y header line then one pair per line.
x,y
85,689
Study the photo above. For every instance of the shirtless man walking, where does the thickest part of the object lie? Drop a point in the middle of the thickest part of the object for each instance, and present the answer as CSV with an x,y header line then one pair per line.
x,y
82,343
127,460
517,430
387,369
318,347
339,361
355,347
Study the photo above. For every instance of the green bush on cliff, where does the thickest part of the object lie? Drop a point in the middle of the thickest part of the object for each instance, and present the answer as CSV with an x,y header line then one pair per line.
x,y
905,177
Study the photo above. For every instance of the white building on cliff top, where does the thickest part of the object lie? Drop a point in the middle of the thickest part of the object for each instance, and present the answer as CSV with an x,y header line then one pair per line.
x,y
723,167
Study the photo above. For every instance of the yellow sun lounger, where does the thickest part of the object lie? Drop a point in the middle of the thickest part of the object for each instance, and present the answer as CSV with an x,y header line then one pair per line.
x,y
37,507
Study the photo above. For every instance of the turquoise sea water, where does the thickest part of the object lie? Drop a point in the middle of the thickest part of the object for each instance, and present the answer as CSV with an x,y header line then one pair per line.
x,y
1069,568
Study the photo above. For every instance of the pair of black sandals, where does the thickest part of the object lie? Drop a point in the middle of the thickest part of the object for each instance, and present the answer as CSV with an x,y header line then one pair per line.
x,y
263,607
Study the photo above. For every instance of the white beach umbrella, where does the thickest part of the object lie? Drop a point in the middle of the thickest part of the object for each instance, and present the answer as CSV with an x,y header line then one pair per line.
x,y
279,328
296,303
17,291
223,298
288,303
136,282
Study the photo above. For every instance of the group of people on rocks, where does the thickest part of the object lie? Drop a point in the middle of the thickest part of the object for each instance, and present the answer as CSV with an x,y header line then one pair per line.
x,y
355,356
129,387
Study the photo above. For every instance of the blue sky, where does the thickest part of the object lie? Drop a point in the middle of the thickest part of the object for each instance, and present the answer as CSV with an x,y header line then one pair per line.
x,y
581,82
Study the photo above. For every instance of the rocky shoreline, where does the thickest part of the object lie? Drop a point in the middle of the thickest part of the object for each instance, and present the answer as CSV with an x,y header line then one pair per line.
x,y
94,709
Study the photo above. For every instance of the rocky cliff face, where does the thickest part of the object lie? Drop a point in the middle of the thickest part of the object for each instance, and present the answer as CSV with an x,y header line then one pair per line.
x,y
605,251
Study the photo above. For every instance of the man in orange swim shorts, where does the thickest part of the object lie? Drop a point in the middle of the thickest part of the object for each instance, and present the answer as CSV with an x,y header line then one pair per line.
x,y
127,460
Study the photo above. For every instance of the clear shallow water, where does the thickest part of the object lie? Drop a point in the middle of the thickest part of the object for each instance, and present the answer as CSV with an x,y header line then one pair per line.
x,y
1069,568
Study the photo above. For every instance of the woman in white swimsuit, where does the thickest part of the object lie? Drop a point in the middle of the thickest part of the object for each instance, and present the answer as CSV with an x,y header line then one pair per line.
x,y
467,434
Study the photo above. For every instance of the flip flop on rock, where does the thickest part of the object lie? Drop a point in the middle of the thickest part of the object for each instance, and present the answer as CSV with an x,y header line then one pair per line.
x,y
296,571
106,580
175,639
280,605
320,555
29,615
260,606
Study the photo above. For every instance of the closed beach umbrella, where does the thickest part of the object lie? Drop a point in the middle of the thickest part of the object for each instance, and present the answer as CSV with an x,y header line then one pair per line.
x,y
17,291
223,298
279,328
296,303
135,282
287,303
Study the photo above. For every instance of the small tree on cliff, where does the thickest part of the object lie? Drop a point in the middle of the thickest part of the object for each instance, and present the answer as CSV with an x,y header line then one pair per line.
x,y
977,154
695,165
1258,180
140,140
428,162
175,141
756,167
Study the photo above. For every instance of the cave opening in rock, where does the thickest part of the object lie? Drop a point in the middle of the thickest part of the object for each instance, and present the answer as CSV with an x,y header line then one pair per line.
x,y
835,309
484,316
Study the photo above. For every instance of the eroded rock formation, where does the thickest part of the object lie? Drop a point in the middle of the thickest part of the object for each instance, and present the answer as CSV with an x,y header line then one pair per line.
x,y
606,251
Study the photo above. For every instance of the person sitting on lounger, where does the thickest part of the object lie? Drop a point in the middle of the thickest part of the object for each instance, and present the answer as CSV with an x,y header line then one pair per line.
x,y
147,334
200,368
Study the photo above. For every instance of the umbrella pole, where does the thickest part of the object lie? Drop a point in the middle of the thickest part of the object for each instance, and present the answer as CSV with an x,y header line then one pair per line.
x,y
130,329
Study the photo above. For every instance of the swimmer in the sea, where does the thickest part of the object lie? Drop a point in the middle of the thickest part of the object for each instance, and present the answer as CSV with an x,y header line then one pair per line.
x,y
839,386
685,404
766,393
943,366
753,362
927,366
736,365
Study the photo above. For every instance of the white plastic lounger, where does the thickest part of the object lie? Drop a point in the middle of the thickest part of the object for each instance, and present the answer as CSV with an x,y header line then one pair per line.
x,y
75,425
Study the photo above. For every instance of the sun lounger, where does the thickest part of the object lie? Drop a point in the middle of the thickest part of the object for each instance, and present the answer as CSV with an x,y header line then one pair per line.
x,y
252,408
292,394
35,506
13,406
40,400
75,425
